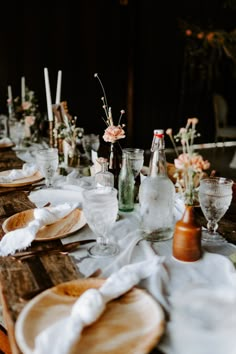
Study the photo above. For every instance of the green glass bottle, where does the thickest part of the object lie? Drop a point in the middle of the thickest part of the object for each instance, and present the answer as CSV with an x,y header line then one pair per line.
x,y
126,185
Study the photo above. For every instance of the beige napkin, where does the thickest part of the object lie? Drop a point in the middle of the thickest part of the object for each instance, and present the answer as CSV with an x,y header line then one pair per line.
x,y
5,141
21,238
28,169
90,305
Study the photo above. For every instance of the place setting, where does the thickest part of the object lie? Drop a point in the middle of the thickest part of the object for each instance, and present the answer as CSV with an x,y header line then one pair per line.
x,y
98,307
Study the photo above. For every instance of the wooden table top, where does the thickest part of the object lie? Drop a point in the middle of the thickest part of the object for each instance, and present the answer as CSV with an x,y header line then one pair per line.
x,y
18,278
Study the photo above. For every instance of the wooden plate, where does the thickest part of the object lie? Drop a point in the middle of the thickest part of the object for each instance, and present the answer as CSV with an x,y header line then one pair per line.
x,y
61,228
21,181
132,323
6,145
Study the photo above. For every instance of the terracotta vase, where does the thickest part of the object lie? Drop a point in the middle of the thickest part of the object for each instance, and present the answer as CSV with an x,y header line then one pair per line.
x,y
187,237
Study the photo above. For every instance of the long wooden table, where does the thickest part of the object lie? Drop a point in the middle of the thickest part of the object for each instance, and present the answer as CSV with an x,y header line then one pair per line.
x,y
17,278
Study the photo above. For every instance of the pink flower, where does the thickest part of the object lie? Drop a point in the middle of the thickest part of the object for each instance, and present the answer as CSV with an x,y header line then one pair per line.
x,y
196,162
26,105
182,162
113,133
188,32
169,131
199,164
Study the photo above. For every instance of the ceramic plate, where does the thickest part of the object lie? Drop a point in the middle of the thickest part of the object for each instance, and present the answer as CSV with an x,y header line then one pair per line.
x,y
132,323
21,181
61,228
55,196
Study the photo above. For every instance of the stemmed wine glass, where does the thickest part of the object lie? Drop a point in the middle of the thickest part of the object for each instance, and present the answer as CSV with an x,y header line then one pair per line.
x,y
47,160
215,195
100,206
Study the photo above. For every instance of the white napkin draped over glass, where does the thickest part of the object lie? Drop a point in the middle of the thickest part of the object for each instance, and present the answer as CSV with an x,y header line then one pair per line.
x,y
90,305
21,238
28,169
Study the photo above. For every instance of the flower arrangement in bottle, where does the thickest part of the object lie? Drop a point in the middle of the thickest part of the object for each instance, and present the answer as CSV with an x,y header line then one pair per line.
x,y
28,114
189,165
112,134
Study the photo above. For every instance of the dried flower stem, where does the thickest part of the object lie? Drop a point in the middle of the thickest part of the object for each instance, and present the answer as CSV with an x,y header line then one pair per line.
x,y
105,106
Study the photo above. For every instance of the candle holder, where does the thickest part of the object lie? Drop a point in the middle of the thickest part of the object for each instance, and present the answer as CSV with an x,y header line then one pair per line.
x,y
51,134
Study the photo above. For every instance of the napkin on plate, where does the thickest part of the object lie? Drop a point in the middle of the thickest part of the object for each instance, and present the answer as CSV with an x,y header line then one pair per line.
x,y
5,141
28,169
90,305
21,238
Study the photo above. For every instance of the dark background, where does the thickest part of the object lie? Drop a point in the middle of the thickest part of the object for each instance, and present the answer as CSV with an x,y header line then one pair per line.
x,y
138,48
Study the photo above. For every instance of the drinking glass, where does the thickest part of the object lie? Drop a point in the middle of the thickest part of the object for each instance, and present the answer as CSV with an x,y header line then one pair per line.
x,y
215,195
100,208
136,158
47,160
90,142
17,132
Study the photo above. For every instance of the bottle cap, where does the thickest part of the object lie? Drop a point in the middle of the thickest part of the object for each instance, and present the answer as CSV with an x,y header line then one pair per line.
x,y
159,133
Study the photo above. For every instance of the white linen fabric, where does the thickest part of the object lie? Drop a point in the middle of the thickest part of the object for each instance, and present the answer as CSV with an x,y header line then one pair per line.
x,y
199,298
21,238
28,169
184,289
90,305
5,141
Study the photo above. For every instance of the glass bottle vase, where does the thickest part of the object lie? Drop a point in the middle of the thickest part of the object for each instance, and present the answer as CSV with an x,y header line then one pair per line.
x,y
114,163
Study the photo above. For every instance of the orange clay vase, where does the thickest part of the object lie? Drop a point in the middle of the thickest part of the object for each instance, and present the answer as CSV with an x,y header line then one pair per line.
x,y
187,237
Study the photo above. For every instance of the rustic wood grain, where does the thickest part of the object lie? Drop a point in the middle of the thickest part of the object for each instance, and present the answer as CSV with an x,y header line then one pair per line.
x,y
17,278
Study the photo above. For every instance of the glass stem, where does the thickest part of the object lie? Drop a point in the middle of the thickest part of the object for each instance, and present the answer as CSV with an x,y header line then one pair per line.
x,y
102,241
48,182
212,227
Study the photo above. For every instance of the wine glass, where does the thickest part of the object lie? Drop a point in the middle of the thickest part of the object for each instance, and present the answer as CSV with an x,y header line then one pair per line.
x,y
215,195
100,208
17,132
47,160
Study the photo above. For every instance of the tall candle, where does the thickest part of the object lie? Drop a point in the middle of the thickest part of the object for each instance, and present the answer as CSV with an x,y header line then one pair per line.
x,y
58,92
9,93
22,89
48,95
10,102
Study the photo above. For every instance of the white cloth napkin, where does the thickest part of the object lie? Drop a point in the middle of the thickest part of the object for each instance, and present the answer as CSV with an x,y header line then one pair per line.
x,y
28,169
21,238
199,297
90,305
5,141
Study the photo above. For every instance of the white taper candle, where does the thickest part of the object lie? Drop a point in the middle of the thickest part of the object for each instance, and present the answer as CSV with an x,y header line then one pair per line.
x,y
48,95
22,89
9,93
58,92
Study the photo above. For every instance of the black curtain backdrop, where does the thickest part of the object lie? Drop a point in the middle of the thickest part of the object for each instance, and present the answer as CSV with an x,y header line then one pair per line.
x,y
135,46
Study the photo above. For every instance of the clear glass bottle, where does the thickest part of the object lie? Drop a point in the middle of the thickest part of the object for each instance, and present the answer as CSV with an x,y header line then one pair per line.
x,y
104,178
156,195
114,162
126,185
